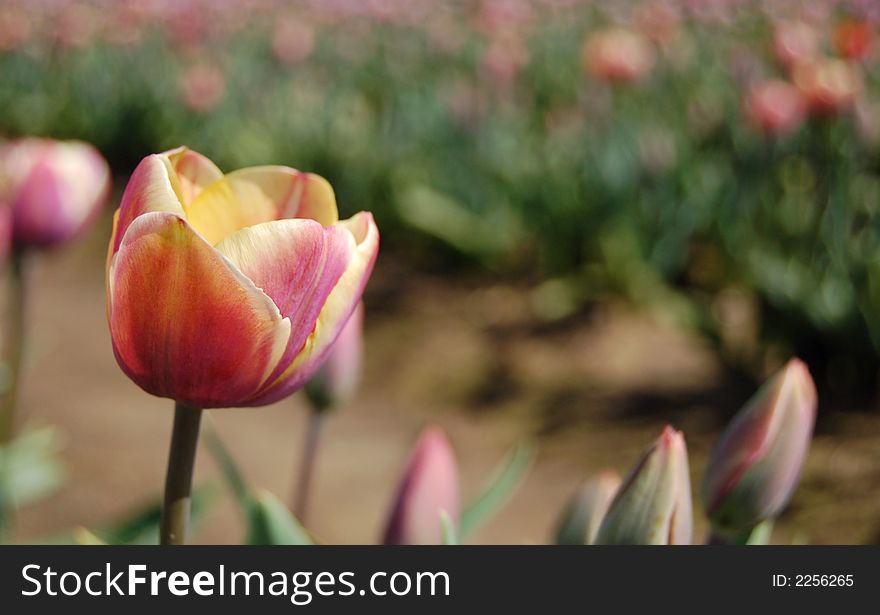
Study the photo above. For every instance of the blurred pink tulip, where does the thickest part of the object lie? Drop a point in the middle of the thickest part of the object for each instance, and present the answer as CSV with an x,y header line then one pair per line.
x,y
829,85
293,41
653,505
775,107
755,467
55,189
794,42
202,86
617,55
587,507
853,39
337,379
429,487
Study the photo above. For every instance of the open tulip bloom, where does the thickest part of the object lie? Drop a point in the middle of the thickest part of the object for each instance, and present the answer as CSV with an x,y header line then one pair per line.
x,y
228,290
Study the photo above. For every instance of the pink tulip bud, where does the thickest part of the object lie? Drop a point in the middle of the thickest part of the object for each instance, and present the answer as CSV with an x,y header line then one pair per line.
x,y
653,505
794,42
775,107
755,466
337,379
429,486
55,189
617,55
585,510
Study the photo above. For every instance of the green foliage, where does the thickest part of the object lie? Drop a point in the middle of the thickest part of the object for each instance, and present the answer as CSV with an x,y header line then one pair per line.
x,y
500,487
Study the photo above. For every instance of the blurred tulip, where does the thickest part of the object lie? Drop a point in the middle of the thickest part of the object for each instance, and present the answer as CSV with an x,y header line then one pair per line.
x,y
853,39
293,41
15,29
794,42
55,189
755,466
229,290
429,486
201,86
585,510
829,85
337,379
775,107
617,55
653,505
504,58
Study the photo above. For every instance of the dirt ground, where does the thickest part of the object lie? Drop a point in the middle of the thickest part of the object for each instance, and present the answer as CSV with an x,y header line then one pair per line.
x,y
464,353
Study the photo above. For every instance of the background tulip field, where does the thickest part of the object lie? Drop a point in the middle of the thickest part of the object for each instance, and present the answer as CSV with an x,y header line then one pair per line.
x,y
597,218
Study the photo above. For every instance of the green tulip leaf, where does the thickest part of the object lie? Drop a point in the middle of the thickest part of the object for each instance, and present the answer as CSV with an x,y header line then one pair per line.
x,y
498,490
272,524
450,536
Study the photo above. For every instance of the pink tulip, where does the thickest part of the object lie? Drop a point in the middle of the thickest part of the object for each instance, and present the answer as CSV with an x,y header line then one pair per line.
x,y
229,290
337,379
617,55
202,85
429,487
653,505
293,41
756,464
853,39
794,42
829,85
775,107
55,189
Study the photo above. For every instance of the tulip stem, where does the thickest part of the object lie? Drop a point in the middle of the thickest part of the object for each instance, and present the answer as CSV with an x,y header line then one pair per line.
x,y
14,344
307,467
178,481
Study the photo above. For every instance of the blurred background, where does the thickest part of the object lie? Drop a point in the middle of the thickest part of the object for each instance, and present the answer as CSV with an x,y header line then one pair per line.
x,y
596,218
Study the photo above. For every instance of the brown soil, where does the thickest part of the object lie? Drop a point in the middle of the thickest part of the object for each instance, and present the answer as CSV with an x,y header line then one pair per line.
x,y
464,353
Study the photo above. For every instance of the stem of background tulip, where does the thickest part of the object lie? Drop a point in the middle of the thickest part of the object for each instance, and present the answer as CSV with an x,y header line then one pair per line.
x,y
307,468
178,480
13,343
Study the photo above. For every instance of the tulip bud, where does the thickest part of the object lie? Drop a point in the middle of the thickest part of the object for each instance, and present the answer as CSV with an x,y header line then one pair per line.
x,y
755,466
429,486
775,107
582,516
829,85
653,505
617,55
337,379
54,188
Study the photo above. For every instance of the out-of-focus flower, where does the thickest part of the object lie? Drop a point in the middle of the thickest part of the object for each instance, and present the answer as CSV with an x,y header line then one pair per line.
x,y
794,42
653,505
293,40
337,379
585,510
429,486
853,39
201,86
229,290
755,467
659,20
504,58
55,189
617,55
829,85
775,107
15,29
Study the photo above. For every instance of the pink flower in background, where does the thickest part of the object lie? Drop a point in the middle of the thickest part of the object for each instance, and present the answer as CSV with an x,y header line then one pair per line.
x,y
229,290
429,486
202,85
794,42
617,55
337,379
54,188
775,107
15,29
756,465
504,59
653,505
293,40
829,85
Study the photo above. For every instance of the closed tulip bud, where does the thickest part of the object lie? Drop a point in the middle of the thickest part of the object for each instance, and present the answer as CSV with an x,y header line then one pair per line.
x,y
653,505
829,85
337,379
429,486
754,468
55,189
585,510
775,107
229,290
617,55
